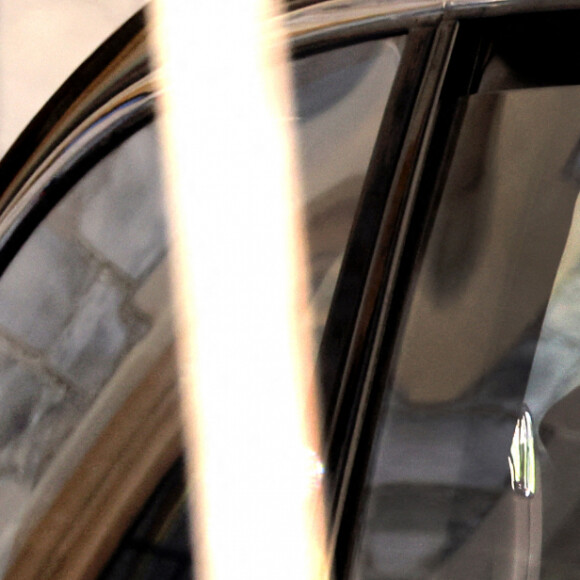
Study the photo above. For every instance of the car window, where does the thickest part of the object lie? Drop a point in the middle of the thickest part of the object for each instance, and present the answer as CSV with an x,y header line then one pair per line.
x,y
87,294
340,98
487,350
552,394
81,302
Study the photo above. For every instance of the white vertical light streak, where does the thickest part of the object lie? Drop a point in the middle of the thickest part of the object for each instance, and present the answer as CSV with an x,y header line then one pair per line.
x,y
239,280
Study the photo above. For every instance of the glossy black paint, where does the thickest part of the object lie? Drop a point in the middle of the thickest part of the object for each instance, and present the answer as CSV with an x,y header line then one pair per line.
x,y
297,4
341,356
355,21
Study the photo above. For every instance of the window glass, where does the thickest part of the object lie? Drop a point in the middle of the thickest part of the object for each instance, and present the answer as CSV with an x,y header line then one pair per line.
x,y
340,97
88,292
489,334
81,301
553,394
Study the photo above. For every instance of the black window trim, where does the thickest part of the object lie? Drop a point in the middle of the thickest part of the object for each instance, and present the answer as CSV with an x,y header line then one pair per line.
x,y
449,73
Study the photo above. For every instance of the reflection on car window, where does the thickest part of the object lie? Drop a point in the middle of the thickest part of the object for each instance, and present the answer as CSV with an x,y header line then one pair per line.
x,y
86,291
340,99
89,287
490,328
554,395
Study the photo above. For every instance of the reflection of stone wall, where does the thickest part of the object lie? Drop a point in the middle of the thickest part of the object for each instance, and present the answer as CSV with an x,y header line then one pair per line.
x,y
77,298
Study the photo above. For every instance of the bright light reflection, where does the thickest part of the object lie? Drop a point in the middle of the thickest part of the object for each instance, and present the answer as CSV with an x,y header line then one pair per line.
x,y
240,285
522,458
315,469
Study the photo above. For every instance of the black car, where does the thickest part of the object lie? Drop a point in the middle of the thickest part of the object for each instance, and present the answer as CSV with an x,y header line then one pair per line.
x,y
439,145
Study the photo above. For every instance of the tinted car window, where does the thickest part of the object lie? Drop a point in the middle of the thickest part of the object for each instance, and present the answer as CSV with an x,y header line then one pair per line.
x,y
476,345
86,293
340,97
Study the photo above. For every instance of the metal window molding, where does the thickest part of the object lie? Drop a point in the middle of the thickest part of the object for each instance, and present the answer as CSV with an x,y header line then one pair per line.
x,y
32,200
110,96
329,23
119,63
338,22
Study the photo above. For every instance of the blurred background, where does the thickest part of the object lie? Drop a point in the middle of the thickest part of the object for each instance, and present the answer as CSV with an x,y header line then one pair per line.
x,y
43,42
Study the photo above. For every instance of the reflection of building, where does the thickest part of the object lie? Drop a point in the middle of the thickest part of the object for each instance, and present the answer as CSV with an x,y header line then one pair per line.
x,y
83,297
